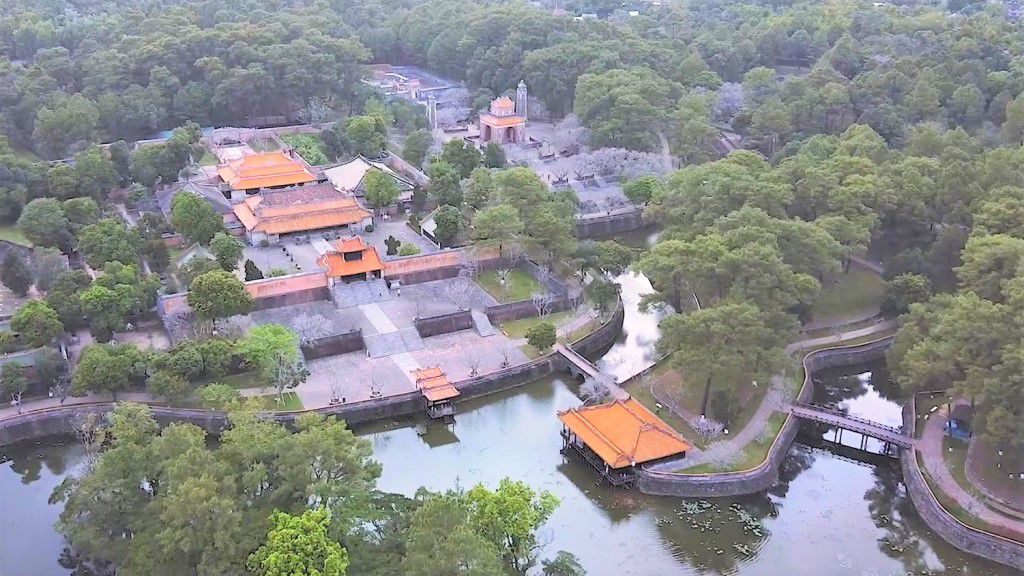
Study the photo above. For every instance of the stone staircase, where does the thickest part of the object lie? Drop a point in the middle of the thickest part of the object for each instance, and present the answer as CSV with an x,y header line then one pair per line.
x,y
482,323
391,343
348,294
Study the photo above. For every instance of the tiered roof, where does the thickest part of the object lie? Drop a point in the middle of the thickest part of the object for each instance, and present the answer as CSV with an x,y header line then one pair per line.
x,y
338,266
299,210
264,170
434,384
624,433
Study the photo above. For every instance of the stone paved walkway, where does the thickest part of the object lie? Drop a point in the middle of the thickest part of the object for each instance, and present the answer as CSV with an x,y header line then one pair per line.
x,y
931,451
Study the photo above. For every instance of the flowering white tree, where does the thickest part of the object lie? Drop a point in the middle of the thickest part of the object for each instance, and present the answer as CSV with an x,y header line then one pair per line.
x,y
311,327
570,135
542,302
729,101
618,163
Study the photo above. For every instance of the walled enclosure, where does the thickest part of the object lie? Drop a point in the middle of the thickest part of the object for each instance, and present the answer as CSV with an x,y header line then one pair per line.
x,y
62,420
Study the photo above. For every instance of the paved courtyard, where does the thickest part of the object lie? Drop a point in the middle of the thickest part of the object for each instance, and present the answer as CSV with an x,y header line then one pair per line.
x,y
357,376
401,231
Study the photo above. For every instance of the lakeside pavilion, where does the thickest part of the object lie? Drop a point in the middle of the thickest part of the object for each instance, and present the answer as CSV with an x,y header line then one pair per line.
x,y
617,436
438,392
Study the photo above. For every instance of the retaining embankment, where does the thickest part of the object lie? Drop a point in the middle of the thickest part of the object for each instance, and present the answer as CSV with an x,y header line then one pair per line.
x,y
62,420
443,323
351,341
591,226
766,474
987,545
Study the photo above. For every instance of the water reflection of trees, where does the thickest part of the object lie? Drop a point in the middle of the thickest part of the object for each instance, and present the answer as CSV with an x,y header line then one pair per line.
x,y
907,538
27,460
835,385
721,538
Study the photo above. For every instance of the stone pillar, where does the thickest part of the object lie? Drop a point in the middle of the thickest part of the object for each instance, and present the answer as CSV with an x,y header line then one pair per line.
x,y
521,96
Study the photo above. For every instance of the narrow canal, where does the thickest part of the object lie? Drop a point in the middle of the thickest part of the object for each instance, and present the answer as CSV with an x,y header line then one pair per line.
x,y
828,515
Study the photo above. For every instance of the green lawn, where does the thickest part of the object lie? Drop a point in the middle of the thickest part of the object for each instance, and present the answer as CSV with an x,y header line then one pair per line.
x,y
854,293
263,145
310,146
13,234
519,328
290,401
520,285
753,454
643,395
952,507
208,159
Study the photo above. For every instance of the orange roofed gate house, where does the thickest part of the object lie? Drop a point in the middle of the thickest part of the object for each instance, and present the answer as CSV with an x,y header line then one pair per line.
x,y
272,214
617,436
505,122
438,392
266,170
350,260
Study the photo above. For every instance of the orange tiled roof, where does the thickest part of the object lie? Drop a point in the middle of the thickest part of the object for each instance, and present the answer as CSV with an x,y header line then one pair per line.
x,y
434,384
264,170
299,210
493,120
503,102
338,267
623,433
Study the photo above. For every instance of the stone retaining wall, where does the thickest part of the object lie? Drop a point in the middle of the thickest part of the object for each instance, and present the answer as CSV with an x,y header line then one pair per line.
x,y
766,474
335,344
521,309
62,420
941,522
444,323
605,225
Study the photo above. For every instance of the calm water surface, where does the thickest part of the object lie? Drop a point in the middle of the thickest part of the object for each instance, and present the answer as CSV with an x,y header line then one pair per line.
x,y
829,515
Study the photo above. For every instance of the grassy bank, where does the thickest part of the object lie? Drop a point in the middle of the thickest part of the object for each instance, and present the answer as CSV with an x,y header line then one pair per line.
x,y
845,295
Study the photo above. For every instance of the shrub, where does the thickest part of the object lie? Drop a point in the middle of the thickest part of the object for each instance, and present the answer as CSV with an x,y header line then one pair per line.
x,y
369,228
219,396
8,342
408,249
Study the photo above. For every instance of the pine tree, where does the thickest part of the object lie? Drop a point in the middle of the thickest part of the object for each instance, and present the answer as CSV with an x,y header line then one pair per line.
x,y
252,272
15,274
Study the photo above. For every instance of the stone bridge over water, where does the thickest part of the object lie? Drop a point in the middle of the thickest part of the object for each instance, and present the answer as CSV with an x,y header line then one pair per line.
x,y
843,421
580,367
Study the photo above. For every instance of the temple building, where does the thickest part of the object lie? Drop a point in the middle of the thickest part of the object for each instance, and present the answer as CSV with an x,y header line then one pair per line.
x,y
505,122
616,437
438,392
350,177
267,170
306,209
351,260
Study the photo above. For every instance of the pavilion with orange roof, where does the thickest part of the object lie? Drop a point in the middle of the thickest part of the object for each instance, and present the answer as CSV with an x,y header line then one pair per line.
x,y
351,259
617,436
502,123
265,170
438,392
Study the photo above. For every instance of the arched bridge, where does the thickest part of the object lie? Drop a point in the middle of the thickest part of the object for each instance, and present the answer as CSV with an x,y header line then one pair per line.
x,y
580,366
840,419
